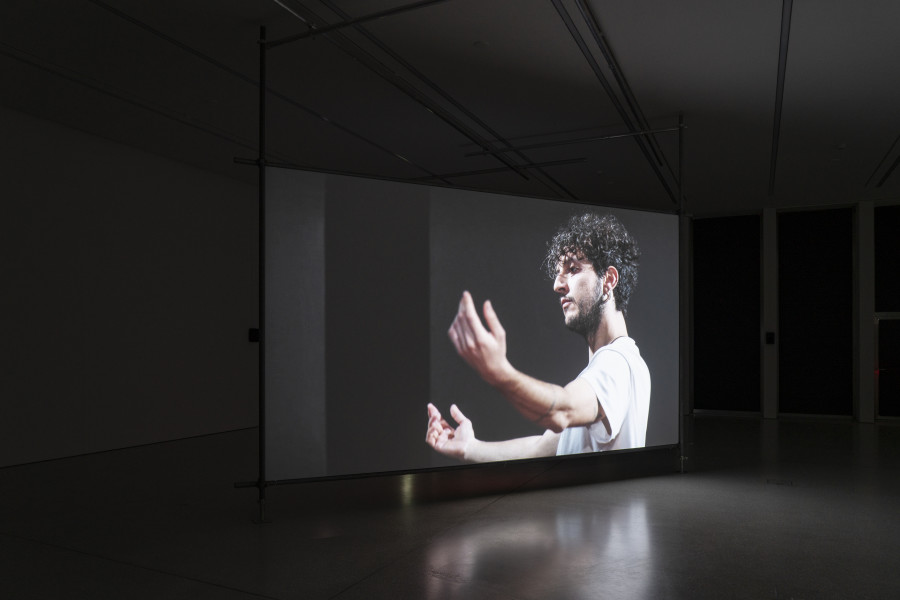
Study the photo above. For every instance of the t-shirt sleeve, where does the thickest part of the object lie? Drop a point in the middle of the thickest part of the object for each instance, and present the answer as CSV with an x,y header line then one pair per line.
x,y
609,376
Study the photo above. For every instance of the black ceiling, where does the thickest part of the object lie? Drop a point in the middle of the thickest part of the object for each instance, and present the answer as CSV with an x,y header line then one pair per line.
x,y
534,97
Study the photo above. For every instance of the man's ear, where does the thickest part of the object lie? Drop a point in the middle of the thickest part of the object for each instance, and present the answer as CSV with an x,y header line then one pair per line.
x,y
611,279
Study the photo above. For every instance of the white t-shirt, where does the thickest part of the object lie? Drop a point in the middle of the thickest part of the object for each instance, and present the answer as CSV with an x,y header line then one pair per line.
x,y
620,379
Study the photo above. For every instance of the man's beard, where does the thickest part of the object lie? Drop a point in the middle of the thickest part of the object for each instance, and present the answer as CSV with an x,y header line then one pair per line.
x,y
590,314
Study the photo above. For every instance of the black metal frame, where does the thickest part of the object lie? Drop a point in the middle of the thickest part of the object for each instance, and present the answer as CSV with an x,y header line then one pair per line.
x,y
261,480
636,122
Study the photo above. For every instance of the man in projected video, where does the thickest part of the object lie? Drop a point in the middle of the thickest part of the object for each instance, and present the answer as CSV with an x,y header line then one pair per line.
x,y
593,262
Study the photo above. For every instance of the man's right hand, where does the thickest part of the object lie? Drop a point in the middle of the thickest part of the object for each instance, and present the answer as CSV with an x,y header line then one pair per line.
x,y
448,440
483,348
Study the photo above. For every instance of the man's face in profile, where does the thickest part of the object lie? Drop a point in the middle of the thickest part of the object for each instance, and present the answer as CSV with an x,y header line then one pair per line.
x,y
580,290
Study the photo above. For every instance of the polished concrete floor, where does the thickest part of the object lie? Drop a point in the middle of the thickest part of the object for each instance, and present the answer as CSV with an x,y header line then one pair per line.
x,y
799,509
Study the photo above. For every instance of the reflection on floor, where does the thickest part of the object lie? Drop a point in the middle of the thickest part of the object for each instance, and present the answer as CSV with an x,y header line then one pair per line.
x,y
766,509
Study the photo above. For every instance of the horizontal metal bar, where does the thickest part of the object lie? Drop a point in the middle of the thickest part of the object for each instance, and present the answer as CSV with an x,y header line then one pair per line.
x,y
552,163
313,169
593,138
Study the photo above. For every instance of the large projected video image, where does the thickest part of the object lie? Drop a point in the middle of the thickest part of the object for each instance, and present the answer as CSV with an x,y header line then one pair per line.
x,y
358,311
494,247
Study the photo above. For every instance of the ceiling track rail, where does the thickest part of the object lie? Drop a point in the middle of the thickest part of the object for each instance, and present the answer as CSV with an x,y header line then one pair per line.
x,y
250,80
582,140
613,97
550,163
368,59
786,9
348,131
882,162
123,96
379,68
619,75
315,30
550,182
889,171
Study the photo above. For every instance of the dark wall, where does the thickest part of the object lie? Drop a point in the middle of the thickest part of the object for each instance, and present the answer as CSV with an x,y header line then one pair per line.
x,y
129,283
727,313
887,259
887,300
815,304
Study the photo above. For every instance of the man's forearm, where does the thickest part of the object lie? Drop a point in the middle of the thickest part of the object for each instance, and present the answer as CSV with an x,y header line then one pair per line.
x,y
551,406
527,447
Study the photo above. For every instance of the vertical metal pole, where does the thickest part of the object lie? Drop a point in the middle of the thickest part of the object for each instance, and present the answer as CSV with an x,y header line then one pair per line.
x,y
681,162
685,296
261,483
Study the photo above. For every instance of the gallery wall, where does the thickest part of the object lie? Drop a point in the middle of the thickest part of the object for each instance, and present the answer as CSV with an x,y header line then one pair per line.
x,y
130,282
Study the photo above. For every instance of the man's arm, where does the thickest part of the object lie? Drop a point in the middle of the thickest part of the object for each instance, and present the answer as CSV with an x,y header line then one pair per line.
x,y
552,406
460,442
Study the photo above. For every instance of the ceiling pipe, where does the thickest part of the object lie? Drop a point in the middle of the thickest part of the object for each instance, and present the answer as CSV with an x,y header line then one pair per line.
x,y
593,138
888,172
883,160
251,81
386,73
623,113
550,163
594,25
786,8
315,30
553,184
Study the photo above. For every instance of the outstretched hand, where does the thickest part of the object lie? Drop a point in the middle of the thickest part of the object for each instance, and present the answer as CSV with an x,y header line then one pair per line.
x,y
483,349
445,439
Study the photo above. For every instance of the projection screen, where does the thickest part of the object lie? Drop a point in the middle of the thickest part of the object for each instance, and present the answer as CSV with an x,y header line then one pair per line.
x,y
363,279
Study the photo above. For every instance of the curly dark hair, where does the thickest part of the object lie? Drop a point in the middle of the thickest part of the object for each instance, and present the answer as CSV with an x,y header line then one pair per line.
x,y
604,242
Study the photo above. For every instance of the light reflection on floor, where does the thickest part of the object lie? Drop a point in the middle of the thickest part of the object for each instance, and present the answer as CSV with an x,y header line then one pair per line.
x,y
529,556
768,509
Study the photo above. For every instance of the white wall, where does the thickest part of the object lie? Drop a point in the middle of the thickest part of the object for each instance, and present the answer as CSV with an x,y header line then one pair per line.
x,y
129,283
